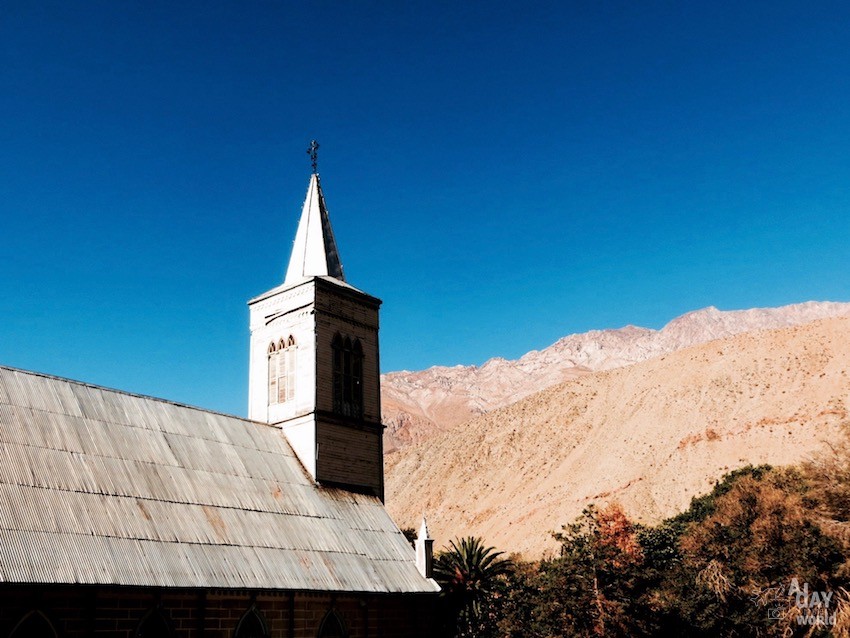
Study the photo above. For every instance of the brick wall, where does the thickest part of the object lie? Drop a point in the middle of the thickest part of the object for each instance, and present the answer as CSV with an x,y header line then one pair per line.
x,y
118,612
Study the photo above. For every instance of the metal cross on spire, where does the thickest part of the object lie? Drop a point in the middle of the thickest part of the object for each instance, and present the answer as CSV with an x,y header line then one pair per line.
x,y
313,152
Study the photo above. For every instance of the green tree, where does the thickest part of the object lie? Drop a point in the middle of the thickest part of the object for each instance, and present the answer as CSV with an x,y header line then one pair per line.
x,y
410,535
519,607
596,586
471,577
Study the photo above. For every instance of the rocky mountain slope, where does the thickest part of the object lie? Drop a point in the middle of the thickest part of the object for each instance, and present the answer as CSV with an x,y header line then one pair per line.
x,y
649,435
417,405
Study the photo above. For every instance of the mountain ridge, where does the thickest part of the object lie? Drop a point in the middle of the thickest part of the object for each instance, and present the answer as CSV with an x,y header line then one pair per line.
x,y
417,405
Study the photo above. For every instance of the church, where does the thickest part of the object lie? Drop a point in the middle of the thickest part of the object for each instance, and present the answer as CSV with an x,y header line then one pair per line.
x,y
130,516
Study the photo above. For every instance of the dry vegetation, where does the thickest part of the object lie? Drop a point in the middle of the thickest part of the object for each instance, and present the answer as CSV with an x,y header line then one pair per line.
x,y
756,556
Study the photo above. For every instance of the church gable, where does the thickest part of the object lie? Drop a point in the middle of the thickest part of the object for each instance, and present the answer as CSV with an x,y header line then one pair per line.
x,y
127,515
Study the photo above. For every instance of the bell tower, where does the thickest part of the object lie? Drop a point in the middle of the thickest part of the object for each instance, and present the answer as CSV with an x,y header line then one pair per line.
x,y
314,365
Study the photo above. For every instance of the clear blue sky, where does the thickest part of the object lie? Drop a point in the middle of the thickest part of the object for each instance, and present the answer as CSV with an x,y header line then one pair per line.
x,y
500,176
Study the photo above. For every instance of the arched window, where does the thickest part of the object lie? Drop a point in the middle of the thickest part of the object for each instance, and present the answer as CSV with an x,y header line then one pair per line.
x,y
251,625
332,626
347,376
153,625
33,625
282,371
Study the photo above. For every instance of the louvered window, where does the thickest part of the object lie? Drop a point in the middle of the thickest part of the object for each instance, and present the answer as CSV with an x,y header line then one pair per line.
x,y
282,371
347,376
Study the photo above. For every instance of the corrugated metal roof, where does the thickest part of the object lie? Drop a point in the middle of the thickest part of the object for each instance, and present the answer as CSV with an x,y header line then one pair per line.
x,y
104,487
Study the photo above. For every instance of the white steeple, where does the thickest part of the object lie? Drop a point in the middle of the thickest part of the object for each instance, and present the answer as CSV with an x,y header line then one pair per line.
x,y
314,253
424,550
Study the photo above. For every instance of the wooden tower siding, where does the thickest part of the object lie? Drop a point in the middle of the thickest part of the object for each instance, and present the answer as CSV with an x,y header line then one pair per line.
x,y
353,314
349,450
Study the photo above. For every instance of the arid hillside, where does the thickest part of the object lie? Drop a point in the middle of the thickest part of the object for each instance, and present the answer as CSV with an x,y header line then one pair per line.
x,y
650,435
417,405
